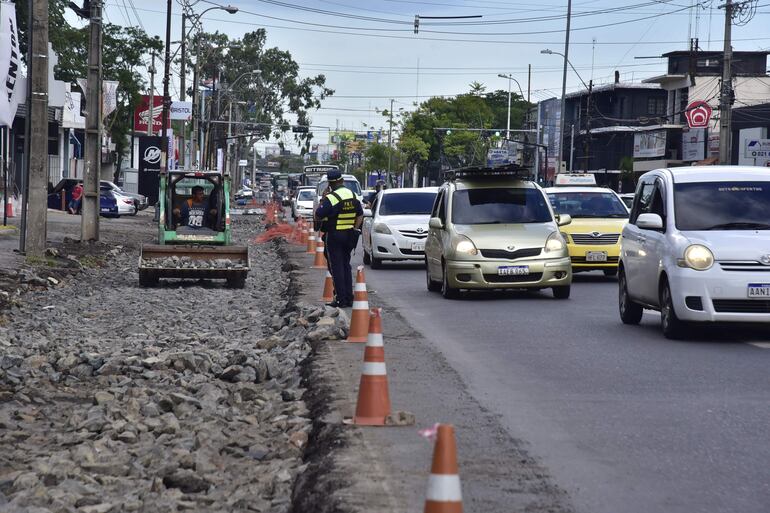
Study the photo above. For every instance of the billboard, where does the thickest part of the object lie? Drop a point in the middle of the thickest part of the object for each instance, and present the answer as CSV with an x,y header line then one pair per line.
x,y
149,166
178,111
693,144
650,144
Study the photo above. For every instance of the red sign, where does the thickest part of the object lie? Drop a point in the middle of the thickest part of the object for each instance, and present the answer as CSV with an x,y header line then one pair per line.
x,y
142,114
698,114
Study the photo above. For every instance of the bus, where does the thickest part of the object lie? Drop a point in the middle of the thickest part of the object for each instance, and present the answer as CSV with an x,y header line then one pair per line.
x,y
311,175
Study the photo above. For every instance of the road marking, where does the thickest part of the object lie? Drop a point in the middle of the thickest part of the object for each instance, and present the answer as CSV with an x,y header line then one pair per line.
x,y
761,345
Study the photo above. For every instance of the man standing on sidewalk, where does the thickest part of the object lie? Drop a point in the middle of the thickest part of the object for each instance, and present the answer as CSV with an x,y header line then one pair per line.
x,y
344,215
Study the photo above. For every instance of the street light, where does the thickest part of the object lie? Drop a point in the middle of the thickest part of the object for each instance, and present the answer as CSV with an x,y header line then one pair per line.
x,y
510,77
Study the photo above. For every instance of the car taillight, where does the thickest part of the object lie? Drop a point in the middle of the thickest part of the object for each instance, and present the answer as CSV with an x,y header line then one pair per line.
x,y
129,202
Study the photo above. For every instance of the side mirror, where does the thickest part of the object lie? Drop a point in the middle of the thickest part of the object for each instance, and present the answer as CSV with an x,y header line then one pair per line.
x,y
436,223
563,219
367,212
649,222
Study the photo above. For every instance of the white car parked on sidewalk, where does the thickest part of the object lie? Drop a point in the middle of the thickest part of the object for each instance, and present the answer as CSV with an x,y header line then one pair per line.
x,y
398,225
126,204
697,247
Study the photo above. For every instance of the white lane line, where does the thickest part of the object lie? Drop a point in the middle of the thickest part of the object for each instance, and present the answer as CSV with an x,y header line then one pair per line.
x,y
761,345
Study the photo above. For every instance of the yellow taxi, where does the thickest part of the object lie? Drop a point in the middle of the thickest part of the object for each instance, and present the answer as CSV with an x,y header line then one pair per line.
x,y
598,217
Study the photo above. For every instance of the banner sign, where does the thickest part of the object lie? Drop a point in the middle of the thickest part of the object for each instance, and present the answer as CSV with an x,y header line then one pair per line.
x,y
757,148
181,111
9,64
149,166
693,144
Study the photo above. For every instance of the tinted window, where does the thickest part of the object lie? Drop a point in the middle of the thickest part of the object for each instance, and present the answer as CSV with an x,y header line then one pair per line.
x,y
642,199
588,204
407,203
722,205
497,206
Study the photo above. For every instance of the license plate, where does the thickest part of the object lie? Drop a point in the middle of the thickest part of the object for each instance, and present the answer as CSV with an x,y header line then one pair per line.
x,y
596,256
105,210
513,270
418,246
759,290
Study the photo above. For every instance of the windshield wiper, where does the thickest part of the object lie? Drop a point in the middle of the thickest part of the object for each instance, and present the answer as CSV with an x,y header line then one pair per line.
x,y
740,226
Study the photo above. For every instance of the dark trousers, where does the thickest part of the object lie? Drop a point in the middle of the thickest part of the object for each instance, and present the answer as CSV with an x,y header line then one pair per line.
x,y
338,248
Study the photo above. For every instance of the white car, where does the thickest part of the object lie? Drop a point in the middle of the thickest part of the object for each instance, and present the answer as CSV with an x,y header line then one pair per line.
x,y
697,247
350,181
140,201
126,204
302,202
397,226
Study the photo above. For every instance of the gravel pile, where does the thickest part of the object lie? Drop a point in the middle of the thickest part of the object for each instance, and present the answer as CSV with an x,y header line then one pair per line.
x,y
184,397
185,262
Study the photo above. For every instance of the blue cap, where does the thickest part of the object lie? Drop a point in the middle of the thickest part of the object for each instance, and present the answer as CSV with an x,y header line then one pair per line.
x,y
333,175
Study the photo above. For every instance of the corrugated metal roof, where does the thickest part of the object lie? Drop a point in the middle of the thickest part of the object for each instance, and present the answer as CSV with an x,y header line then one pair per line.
x,y
611,87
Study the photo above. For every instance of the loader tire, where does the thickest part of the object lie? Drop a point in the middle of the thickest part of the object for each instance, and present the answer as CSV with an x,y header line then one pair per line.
x,y
147,279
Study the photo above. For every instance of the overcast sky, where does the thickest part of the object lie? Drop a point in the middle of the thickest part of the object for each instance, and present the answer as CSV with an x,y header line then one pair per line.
x,y
369,53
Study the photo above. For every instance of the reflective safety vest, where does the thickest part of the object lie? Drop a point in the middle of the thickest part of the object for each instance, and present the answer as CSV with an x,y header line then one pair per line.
x,y
346,213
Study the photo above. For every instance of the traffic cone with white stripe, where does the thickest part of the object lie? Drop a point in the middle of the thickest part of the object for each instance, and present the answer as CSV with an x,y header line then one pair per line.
x,y
328,294
373,398
359,317
320,259
444,483
311,244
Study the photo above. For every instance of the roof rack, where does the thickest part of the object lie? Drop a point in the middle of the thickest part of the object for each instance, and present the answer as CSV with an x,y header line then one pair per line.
x,y
506,170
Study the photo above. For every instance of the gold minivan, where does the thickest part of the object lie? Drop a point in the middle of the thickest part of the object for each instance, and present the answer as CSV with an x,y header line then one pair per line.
x,y
492,230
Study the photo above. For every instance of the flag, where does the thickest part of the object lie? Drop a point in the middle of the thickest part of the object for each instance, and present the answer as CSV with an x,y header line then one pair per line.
x,y
9,64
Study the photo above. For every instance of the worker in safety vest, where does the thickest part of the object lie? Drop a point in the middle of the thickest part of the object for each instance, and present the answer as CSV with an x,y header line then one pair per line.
x,y
342,214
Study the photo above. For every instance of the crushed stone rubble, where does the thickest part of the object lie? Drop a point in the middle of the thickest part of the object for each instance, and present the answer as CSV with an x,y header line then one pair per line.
x,y
185,262
184,397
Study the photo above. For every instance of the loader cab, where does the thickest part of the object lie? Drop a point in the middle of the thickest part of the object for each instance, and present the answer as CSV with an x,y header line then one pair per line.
x,y
178,187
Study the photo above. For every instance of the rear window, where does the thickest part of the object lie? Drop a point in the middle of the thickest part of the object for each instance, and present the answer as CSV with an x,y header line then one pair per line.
x,y
353,186
407,203
499,206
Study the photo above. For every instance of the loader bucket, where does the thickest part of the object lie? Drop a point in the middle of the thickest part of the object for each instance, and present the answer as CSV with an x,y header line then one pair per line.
x,y
229,263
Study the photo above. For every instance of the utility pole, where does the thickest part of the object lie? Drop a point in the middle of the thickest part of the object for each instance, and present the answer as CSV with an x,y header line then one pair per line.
x,y
587,140
164,118
529,80
151,118
508,117
89,223
725,101
564,88
195,115
37,140
390,138
182,94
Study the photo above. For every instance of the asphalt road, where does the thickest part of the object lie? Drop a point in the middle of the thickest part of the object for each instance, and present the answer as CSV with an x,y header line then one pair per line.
x,y
623,419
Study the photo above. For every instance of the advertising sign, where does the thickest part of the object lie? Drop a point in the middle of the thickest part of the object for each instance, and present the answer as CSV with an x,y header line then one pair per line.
x,y
181,111
650,144
497,156
693,144
757,148
149,166
9,64
698,114
142,114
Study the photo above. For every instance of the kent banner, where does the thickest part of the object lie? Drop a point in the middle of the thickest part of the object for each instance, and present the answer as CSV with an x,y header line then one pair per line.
x,y
10,85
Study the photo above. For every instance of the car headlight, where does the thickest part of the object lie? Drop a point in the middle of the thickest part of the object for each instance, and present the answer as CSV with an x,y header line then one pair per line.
x,y
554,242
565,236
465,245
382,228
697,257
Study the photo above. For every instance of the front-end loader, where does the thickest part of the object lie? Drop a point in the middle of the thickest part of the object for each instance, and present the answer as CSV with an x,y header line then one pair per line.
x,y
201,252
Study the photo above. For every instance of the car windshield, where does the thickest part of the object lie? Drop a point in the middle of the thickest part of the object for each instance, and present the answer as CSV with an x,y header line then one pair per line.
x,y
407,203
588,204
306,195
499,206
722,206
353,186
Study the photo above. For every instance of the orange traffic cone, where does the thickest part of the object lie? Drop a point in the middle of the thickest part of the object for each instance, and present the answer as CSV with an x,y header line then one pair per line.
x,y
311,244
305,233
444,483
328,294
373,398
320,259
359,318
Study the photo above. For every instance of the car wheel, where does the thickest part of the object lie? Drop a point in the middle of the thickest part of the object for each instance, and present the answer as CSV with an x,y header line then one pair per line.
x,y
376,262
433,286
447,291
561,292
367,258
611,272
630,312
672,327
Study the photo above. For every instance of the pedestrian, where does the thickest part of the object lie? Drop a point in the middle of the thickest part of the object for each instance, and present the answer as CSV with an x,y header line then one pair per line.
x,y
341,215
77,195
